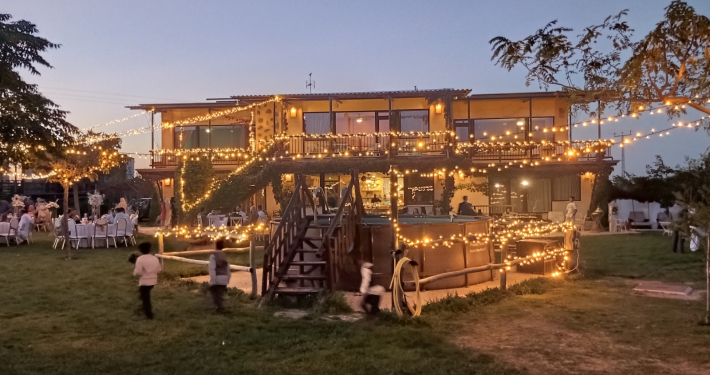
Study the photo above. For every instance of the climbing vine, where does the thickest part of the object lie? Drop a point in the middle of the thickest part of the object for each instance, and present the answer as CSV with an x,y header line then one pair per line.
x,y
444,204
192,181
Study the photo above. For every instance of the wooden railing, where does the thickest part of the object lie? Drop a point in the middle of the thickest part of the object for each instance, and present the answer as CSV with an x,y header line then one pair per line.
x,y
286,239
342,235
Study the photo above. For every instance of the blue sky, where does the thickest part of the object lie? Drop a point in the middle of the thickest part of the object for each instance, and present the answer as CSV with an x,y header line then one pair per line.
x,y
121,53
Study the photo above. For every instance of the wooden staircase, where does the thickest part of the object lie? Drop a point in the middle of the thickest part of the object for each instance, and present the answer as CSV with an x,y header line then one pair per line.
x,y
307,250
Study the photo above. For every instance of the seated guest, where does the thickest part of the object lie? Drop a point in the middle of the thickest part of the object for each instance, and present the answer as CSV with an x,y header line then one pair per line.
x,y
5,209
23,229
375,200
74,215
253,215
111,217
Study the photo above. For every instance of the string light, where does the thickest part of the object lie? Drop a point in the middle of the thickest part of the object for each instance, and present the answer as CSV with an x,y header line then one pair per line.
x,y
117,120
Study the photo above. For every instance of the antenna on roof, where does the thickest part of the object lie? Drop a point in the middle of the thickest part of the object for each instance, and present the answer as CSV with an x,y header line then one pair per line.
x,y
415,88
310,84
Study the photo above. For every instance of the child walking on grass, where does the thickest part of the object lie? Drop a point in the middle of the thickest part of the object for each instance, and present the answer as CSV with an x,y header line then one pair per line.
x,y
219,275
147,268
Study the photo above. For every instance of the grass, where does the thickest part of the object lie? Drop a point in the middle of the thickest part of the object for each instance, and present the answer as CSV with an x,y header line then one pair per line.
x,y
640,256
80,317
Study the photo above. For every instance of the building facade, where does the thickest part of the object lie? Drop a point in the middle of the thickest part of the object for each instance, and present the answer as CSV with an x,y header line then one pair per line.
x,y
501,150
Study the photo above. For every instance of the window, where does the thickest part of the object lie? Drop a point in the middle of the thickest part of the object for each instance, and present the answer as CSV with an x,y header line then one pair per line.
x,y
462,130
506,128
538,195
316,123
186,137
418,190
565,187
414,121
219,136
355,122
383,122
542,129
230,136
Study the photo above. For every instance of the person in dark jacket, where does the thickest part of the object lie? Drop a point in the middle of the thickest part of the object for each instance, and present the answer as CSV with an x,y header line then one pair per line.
x,y
465,208
5,209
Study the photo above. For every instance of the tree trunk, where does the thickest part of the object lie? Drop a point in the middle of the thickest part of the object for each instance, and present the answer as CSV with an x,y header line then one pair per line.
x,y
65,222
76,200
707,279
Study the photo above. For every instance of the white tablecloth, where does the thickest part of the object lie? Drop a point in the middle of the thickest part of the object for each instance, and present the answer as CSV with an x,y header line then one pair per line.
x,y
87,231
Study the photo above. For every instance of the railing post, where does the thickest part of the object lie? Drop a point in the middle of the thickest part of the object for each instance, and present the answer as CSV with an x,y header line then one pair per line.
x,y
503,271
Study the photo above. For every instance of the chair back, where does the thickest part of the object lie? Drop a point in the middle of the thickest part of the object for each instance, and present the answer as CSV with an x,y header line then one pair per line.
x,y
14,223
4,229
101,227
199,220
71,225
121,226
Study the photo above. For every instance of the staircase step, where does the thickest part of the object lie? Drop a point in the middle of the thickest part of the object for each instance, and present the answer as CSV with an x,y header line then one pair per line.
x,y
312,251
308,263
303,277
282,290
313,238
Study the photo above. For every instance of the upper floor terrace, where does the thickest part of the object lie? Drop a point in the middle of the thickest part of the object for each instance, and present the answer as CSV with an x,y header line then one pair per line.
x,y
485,128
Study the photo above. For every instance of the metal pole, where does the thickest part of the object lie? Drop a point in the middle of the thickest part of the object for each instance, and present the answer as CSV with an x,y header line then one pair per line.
x,y
599,119
623,151
152,137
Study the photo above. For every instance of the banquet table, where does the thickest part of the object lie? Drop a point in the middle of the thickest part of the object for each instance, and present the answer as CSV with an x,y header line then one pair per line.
x,y
87,231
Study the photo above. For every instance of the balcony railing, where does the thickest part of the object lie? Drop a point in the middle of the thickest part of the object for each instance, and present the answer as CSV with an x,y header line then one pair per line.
x,y
406,144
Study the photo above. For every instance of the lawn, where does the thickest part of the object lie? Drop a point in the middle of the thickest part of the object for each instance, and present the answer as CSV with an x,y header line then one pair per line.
x,y
80,317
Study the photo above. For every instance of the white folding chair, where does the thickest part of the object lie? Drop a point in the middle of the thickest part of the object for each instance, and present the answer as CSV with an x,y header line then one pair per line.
x,y
666,226
102,225
234,220
122,230
5,232
199,220
621,225
14,226
57,231
73,235
111,234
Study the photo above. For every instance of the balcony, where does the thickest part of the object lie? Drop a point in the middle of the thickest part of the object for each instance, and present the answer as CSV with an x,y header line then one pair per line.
x,y
386,145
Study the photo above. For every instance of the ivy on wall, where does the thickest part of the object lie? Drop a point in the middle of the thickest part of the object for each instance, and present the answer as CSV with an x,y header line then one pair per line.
x,y
474,187
197,176
447,194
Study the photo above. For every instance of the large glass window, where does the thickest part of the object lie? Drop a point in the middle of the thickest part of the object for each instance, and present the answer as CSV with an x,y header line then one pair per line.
x,y
230,136
418,190
316,123
186,137
414,121
507,129
542,128
383,122
355,122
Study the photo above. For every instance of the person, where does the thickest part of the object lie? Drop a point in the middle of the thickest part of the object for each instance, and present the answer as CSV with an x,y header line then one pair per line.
x,y
147,268
111,217
74,215
5,209
219,275
370,295
375,200
465,208
677,216
121,214
508,213
25,225
263,218
241,214
168,212
571,211
416,212
253,215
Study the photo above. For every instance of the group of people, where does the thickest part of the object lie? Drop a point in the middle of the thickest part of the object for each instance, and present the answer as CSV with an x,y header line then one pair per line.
x,y
256,215
147,267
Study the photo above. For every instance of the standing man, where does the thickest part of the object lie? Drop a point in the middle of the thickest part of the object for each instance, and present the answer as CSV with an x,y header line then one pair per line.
x,y
465,208
147,268
571,211
219,275
677,215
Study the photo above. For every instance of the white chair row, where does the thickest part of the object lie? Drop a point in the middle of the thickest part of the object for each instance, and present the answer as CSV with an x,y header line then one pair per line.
x,y
119,231
9,232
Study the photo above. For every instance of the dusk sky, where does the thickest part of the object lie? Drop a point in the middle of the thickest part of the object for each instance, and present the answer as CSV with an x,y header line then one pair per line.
x,y
122,53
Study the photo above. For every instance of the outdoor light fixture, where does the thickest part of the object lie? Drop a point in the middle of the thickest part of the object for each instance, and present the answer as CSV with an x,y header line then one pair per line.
x,y
497,186
524,183
438,107
293,111
288,177
167,182
359,119
520,123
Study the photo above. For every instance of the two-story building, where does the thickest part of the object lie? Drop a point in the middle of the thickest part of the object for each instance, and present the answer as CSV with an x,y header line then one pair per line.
x,y
503,150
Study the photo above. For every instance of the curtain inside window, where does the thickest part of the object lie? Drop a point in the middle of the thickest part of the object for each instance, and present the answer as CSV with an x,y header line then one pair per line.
x,y
565,187
316,123
539,195
354,122
414,121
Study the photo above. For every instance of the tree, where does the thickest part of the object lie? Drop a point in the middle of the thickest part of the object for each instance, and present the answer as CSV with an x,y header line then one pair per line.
x,y
31,126
669,65
93,153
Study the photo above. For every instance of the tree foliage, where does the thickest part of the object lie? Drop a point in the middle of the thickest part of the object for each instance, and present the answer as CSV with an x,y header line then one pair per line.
x,y
604,64
31,126
193,180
